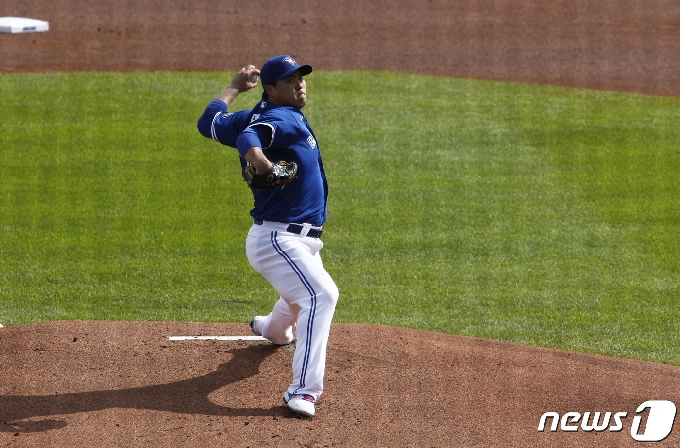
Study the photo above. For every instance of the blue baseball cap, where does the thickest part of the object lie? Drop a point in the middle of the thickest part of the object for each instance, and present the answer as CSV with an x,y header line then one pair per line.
x,y
279,67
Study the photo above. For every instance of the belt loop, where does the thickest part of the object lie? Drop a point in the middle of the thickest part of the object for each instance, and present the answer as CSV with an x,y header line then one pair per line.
x,y
305,230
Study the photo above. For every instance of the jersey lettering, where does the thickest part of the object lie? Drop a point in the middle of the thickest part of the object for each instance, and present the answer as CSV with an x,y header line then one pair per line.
x,y
311,141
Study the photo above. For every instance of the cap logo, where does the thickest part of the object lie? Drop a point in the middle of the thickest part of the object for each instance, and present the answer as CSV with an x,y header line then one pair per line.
x,y
289,60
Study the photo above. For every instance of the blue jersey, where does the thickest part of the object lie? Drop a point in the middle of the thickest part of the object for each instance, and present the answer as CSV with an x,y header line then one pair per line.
x,y
283,133
222,126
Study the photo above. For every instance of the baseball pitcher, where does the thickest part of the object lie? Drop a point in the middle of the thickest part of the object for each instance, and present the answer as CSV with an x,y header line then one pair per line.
x,y
281,163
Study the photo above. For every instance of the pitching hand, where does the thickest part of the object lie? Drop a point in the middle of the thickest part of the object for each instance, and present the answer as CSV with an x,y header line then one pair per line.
x,y
245,79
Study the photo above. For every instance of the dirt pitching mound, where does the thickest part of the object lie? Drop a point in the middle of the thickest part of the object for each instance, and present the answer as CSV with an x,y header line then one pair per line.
x,y
78,384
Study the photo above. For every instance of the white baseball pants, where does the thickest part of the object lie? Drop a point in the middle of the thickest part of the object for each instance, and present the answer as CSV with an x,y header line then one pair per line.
x,y
308,296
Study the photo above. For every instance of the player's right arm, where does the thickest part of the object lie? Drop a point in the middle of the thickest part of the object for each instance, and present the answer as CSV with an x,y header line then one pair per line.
x,y
220,125
216,122
242,82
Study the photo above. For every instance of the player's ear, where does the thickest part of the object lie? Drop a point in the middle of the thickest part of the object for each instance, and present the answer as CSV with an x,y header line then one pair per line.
x,y
269,89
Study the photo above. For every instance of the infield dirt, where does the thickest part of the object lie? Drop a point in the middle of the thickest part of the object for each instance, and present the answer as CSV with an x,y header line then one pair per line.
x,y
82,384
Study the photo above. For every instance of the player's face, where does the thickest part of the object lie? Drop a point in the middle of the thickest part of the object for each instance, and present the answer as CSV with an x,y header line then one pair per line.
x,y
290,91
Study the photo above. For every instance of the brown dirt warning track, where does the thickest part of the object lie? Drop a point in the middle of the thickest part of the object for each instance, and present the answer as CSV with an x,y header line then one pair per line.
x,y
106,384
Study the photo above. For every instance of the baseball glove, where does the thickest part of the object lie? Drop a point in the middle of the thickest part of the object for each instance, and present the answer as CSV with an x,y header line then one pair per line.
x,y
280,173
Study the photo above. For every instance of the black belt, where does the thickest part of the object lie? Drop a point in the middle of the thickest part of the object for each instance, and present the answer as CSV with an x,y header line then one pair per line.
x,y
314,232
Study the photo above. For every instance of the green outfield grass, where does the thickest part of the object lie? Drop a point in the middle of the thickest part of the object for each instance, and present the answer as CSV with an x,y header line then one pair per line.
x,y
539,215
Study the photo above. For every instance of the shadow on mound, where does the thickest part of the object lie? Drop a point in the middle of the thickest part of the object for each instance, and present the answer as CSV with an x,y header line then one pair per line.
x,y
186,396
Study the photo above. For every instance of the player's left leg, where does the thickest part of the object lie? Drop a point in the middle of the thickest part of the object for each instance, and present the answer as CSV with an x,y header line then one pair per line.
x,y
292,265
312,331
